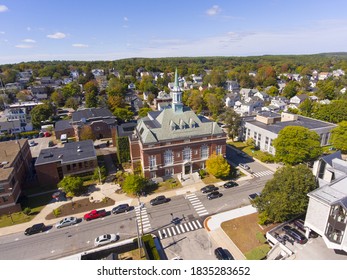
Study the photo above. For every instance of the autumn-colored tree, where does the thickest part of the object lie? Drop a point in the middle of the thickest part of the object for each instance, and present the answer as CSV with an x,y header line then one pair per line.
x,y
217,166
86,133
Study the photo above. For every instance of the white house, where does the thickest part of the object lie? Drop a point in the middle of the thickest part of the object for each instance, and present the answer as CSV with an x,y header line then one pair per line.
x,y
298,99
327,207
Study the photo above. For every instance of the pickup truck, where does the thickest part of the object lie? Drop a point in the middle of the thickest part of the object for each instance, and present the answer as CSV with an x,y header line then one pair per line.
x,y
94,214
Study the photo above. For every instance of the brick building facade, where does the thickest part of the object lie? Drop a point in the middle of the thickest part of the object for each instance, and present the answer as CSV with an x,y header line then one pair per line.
x,y
75,158
15,168
175,141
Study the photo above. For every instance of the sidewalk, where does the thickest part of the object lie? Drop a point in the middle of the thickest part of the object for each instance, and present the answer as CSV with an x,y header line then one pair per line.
x,y
213,226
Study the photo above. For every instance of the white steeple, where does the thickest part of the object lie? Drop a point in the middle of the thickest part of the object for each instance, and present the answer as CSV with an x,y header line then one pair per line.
x,y
176,94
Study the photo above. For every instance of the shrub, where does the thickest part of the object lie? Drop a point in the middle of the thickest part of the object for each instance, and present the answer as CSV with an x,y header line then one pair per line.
x,y
56,212
151,249
27,211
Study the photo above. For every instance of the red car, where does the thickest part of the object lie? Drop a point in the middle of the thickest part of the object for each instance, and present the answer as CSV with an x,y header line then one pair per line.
x,y
47,134
94,214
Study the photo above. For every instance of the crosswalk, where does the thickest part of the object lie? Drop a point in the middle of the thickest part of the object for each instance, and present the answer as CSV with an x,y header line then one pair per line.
x,y
263,173
179,229
142,219
197,205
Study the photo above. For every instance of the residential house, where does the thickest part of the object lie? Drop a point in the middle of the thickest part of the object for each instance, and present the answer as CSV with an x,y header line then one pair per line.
x,y
162,97
327,208
232,86
131,86
75,158
247,92
174,141
265,126
248,106
262,95
324,75
279,104
231,98
298,99
10,127
15,169
98,72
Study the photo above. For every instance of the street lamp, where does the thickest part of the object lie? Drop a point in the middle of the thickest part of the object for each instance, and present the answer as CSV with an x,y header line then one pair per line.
x,y
139,230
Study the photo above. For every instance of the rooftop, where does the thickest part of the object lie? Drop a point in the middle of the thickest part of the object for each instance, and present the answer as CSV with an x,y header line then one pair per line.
x,y
71,152
276,127
91,113
8,152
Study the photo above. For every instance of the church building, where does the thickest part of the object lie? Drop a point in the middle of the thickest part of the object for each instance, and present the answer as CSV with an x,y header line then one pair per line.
x,y
175,141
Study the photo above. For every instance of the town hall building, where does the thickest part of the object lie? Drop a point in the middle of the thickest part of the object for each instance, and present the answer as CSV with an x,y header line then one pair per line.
x,y
175,141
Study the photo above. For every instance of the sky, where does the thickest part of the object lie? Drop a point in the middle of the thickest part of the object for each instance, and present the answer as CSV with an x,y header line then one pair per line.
x,y
32,30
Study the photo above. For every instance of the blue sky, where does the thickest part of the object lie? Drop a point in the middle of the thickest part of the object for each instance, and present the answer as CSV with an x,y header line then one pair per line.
x,y
112,29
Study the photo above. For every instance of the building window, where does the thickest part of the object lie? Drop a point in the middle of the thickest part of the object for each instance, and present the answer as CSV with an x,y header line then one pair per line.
x,y
13,181
80,165
169,171
219,150
68,167
202,165
168,157
5,198
187,154
2,189
153,174
204,152
152,161
255,136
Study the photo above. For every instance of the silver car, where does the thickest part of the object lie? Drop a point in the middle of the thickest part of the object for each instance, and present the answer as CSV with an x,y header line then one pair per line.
x,y
105,239
68,221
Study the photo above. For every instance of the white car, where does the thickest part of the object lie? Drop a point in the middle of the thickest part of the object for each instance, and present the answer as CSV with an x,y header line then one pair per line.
x,y
244,166
32,143
66,222
105,239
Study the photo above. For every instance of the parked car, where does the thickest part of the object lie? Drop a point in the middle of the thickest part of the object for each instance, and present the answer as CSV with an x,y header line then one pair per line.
x,y
94,214
221,254
68,221
35,229
230,184
209,188
50,144
295,234
105,239
214,195
121,208
32,143
47,134
159,200
244,166
252,196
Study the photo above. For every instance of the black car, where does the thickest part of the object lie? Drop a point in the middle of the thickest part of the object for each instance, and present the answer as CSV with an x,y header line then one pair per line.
x,y
121,208
230,184
209,188
221,254
295,234
214,195
35,229
252,196
159,200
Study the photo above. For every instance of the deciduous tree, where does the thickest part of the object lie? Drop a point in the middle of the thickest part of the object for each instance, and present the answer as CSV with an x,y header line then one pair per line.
x,y
217,166
285,195
339,136
297,144
71,185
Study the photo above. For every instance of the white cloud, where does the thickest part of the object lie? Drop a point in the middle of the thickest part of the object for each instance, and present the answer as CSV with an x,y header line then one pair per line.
x,y
29,41
3,8
215,10
80,45
126,18
29,28
57,35
2,32
24,46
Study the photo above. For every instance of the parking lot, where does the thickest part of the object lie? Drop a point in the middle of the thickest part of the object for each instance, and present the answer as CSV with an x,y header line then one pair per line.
x,y
41,143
